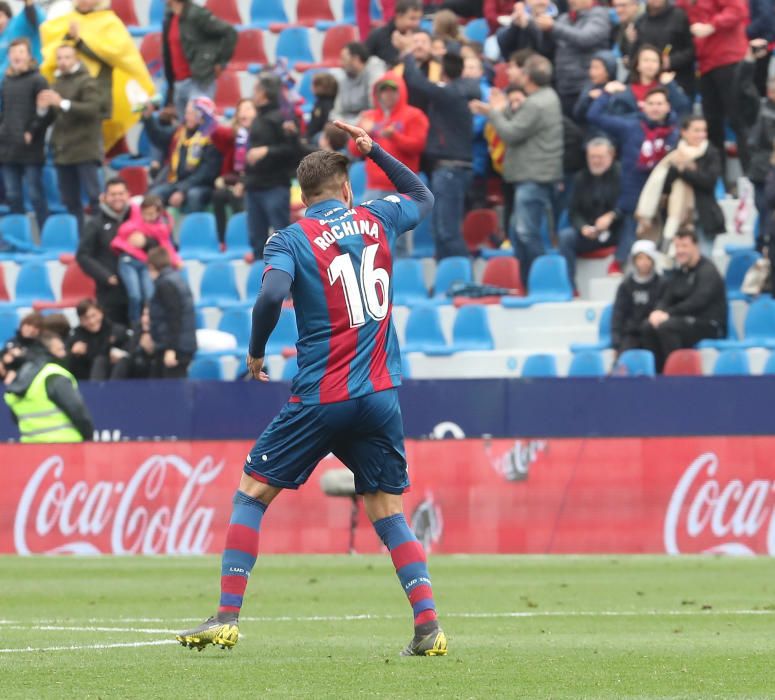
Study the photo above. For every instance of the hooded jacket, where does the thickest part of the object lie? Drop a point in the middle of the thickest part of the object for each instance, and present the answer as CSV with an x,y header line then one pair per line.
x,y
407,132
578,36
19,115
608,59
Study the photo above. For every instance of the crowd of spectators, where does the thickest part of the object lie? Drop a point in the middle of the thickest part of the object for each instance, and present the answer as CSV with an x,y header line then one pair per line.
x,y
610,131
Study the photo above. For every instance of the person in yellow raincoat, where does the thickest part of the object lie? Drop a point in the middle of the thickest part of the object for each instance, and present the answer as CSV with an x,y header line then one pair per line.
x,y
109,54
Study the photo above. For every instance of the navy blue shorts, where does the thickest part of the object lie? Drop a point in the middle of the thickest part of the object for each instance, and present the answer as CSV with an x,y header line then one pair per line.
x,y
366,434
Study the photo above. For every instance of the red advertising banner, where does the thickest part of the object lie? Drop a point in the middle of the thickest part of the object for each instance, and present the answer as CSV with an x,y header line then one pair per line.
x,y
674,495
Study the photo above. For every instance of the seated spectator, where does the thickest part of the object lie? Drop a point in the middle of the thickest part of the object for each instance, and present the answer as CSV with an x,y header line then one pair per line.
x,y
421,46
187,180
642,141
356,82
15,349
623,34
602,71
324,88
692,305
523,32
578,35
761,143
687,176
96,349
666,26
636,298
173,321
148,226
232,141
56,324
592,211
406,20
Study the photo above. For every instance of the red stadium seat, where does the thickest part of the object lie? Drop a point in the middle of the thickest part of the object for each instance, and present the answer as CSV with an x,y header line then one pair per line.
x,y
227,91
500,272
480,226
310,11
76,285
683,363
125,9
334,41
136,179
151,52
249,49
227,10
3,289
599,254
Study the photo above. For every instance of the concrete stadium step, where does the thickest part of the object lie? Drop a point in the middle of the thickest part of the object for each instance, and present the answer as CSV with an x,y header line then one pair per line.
x,y
603,289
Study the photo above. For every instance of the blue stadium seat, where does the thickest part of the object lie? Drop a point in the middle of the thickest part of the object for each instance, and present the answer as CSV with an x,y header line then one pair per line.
x,y
290,369
635,363
449,271
408,284
739,263
199,237
59,235
206,368
406,366
539,366
293,44
758,329
731,363
33,284
255,276
769,366
358,180
547,282
284,335
200,318
471,330
588,363
603,333
422,240
266,12
219,286
423,332
348,16
237,239
15,229
477,30
9,322
237,322
732,337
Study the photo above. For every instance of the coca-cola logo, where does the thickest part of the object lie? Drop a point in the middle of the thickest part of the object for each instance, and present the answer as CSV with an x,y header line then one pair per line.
x,y
514,464
157,510
710,515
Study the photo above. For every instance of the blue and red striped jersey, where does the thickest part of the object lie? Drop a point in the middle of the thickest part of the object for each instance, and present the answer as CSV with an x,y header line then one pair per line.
x,y
341,264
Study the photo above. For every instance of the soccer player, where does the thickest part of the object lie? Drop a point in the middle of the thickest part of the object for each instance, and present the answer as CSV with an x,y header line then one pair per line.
x,y
337,263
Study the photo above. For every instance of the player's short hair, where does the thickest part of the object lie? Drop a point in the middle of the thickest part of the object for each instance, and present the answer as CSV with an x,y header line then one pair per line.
x,y
321,171
159,259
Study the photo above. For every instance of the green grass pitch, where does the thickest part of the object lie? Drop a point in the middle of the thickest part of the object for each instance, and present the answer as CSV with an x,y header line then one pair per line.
x,y
331,627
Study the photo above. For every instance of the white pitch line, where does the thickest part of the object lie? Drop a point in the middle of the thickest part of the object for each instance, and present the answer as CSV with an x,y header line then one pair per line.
x,y
78,647
61,628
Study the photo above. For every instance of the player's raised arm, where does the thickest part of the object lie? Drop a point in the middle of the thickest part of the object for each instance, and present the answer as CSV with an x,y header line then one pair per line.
x,y
403,179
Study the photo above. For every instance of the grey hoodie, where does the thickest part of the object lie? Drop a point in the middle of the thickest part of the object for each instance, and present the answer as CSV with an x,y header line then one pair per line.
x,y
577,41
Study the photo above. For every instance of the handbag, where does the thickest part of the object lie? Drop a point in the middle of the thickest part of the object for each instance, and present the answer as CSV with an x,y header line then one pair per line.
x,y
758,279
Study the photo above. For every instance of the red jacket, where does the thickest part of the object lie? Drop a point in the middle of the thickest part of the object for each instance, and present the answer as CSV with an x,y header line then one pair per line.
x,y
407,141
160,231
729,43
494,9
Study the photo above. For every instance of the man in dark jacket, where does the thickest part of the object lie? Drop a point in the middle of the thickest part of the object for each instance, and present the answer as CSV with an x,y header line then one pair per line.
x,y
97,347
407,18
666,27
523,33
272,157
22,131
173,321
762,143
197,47
74,106
692,306
95,255
592,211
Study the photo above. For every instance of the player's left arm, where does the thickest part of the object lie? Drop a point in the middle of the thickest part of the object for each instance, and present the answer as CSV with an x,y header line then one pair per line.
x,y
266,313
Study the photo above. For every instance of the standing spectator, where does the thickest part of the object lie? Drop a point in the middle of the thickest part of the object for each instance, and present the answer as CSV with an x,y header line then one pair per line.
x,y
24,26
666,26
422,51
718,27
74,105
624,34
692,306
446,28
761,37
356,81
96,348
534,148
271,160
636,298
523,32
188,179
406,20
642,140
602,70
173,322
23,132
96,257
762,141
473,69
493,10
324,88
766,242
449,149
197,47
578,35
592,211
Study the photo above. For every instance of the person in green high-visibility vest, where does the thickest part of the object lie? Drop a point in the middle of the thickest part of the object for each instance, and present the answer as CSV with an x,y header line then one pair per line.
x,y
44,397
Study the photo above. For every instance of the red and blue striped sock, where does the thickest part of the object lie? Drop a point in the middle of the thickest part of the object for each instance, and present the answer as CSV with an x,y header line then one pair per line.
x,y
239,554
411,566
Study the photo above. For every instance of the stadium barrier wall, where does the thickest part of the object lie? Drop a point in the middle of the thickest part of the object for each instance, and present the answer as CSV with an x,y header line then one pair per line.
x,y
624,495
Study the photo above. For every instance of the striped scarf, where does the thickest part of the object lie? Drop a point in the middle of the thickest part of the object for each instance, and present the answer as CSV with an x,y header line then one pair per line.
x,y
194,146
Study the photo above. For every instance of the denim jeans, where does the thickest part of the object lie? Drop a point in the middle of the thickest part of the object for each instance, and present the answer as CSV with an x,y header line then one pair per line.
x,y
74,179
269,208
449,186
196,198
137,282
15,175
572,244
401,248
186,90
533,204
627,231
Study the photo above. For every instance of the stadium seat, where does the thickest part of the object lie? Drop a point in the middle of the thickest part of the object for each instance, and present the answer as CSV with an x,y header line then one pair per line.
x,y
293,44
308,12
501,75
136,179
228,91
284,335
504,272
290,369
731,363
547,282
348,17
33,284
51,186
732,336
199,237
266,12
448,272
358,180
219,286
635,363
422,240
588,363
480,226
471,330
539,366
423,332
603,333
9,323
16,230
477,30
237,322
255,276
769,366
334,41
249,50
408,283
686,362
739,263
151,51
125,9
76,286
758,329
59,235
226,10
206,368
4,296
237,241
